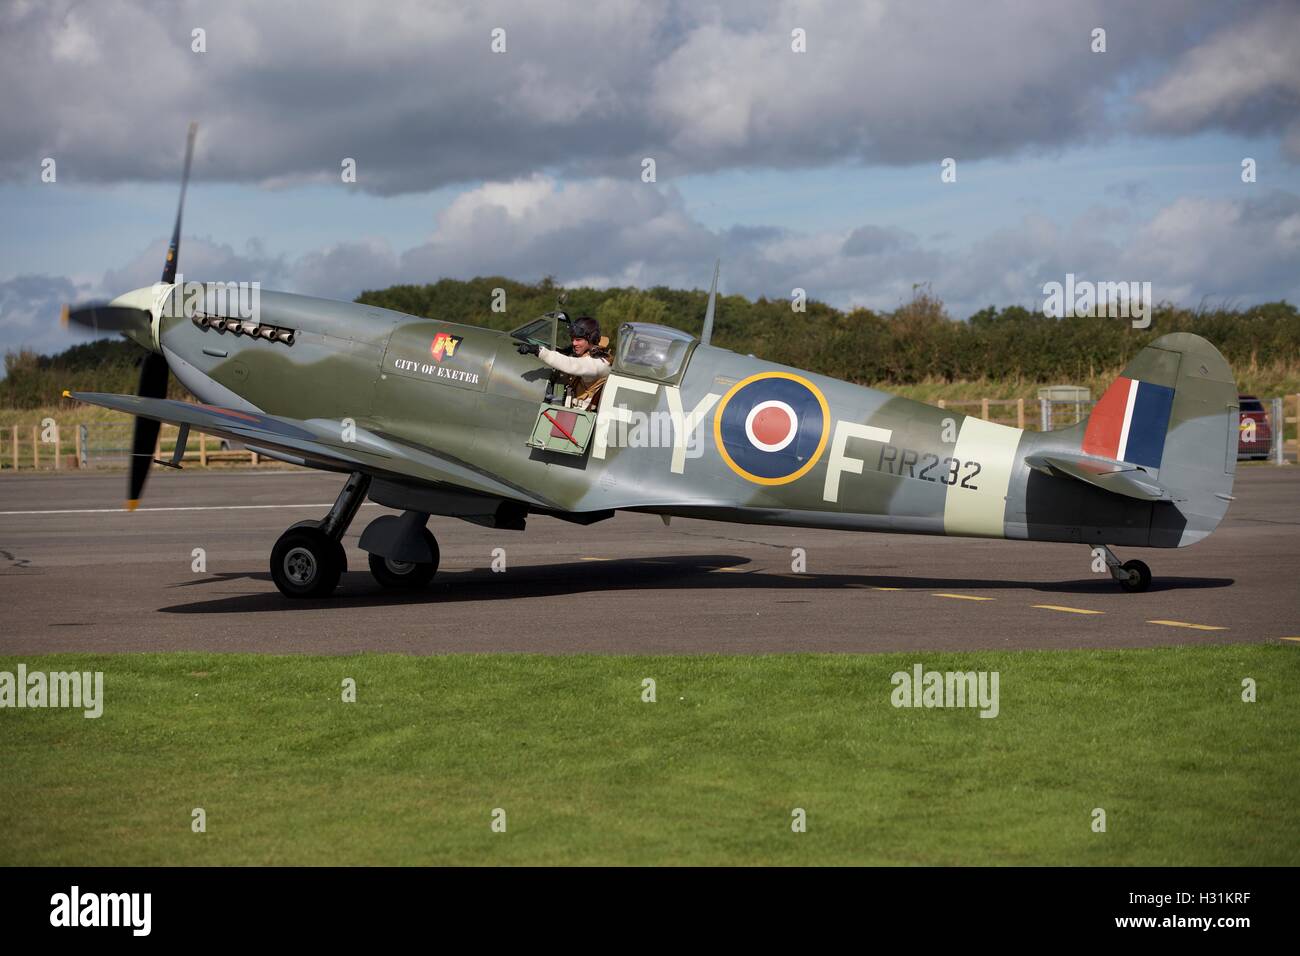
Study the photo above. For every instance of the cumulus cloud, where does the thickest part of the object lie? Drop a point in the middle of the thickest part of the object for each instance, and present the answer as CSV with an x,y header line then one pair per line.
x,y
1238,250
1244,78
30,305
610,232
606,232
869,240
201,259
29,313
413,92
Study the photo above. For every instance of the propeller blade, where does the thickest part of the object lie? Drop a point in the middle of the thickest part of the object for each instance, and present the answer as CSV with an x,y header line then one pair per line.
x,y
144,441
174,249
102,317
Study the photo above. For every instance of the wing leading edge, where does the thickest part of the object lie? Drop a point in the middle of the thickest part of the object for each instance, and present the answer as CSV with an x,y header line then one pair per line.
x,y
317,443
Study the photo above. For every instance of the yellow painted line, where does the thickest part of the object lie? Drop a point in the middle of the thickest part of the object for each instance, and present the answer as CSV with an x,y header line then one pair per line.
x,y
1296,639
1068,610
730,570
598,559
888,589
1197,627
964,597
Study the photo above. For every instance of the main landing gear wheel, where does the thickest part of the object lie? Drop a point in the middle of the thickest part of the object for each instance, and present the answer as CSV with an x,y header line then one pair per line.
x,y
340,552
306,563
406,575
1134,576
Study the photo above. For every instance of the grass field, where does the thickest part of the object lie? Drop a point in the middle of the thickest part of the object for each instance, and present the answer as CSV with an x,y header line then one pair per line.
x,y
709,774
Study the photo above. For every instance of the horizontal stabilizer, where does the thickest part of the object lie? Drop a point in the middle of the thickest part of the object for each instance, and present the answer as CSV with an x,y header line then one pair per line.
x,y
1113,476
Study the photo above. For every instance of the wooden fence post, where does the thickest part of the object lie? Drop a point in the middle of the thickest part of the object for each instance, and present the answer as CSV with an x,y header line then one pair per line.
x,y
984,409
15,448
58,447
942,403
1020,413
36,447
203,450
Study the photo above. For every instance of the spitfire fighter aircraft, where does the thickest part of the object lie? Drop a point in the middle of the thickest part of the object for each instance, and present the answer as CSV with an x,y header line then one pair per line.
x,y
430,417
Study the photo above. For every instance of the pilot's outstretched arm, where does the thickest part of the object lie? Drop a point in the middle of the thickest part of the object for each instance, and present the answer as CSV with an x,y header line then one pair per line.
x,y
584,367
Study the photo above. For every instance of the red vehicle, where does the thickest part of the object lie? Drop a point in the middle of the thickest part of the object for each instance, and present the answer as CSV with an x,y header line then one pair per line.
x,y
1255,427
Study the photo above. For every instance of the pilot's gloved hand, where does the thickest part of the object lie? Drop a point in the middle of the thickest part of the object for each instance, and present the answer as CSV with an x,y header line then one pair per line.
x,y
527,348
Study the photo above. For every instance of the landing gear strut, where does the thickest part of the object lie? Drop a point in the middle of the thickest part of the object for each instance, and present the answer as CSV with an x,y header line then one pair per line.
x,y
308,559
1132,575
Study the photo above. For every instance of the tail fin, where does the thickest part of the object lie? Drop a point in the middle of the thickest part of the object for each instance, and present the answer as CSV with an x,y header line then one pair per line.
x,y
1174,413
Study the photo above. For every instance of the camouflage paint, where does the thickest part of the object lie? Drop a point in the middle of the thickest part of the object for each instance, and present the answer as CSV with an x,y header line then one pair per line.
x,y
452,406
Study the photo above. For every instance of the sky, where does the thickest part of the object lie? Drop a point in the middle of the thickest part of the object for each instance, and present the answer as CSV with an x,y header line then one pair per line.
x,y
803,143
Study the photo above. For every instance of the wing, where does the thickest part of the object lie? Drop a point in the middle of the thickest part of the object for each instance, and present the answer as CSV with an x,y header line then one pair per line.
x,y
317,443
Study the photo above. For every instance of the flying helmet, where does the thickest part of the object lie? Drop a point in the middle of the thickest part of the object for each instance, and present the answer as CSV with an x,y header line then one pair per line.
x,y
585,327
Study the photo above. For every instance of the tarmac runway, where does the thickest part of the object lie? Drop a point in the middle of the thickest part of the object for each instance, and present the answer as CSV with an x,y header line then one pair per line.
x,y
77,574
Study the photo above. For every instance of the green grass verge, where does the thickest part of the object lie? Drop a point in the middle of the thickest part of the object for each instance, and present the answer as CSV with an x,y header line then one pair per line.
x,y
1186,772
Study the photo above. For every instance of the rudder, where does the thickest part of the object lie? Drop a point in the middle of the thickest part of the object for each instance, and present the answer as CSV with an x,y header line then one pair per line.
x,y
1174,412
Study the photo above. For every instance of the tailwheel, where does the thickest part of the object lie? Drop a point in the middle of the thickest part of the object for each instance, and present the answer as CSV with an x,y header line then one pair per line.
x,y
306,563
406,575
1134,576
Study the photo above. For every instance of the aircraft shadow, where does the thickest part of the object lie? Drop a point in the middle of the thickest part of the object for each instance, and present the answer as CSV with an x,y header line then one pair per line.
x,y
684,572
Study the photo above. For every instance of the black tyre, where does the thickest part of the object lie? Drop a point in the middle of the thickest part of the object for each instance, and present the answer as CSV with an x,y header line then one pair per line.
x,y
406,575
306,564
1138,576
340,553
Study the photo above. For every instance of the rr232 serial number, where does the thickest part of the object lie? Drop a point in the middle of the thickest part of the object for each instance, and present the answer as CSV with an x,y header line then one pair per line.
x,y
927,466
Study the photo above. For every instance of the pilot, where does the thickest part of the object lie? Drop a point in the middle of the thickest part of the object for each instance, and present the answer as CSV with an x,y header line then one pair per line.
x,y
588,366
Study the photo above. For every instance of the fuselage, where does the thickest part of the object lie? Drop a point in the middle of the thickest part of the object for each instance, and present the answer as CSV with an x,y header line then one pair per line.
x,y
716,435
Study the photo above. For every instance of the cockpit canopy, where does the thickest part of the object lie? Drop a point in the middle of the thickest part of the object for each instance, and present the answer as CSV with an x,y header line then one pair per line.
x,y
653,351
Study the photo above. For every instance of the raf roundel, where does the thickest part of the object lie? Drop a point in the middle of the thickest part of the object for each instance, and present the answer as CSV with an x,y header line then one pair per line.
x,y
770,428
